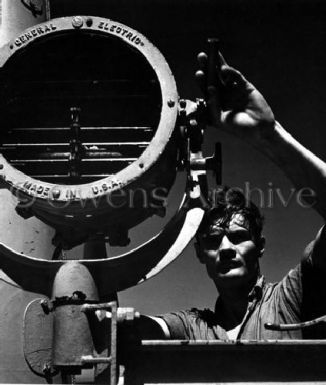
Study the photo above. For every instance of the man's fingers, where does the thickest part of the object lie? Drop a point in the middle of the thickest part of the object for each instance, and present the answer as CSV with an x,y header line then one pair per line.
x,y
201,80
200,74
230,74
232,77
202,60
222,60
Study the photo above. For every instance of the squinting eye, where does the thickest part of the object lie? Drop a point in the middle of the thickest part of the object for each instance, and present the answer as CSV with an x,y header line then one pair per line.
x,y
239,236
213,240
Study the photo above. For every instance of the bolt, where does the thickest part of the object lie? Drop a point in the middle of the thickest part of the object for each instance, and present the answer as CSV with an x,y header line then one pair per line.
x,y
75,109
77,22
56,193
171,103
183,103
45,306
201,104
46,369
193,123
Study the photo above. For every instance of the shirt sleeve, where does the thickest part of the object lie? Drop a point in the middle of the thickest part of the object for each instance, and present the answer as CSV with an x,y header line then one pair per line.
x,y
302,292
316,249
290,296
177,323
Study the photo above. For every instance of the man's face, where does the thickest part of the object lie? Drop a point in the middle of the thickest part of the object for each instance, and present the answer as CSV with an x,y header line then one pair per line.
x,y
229,252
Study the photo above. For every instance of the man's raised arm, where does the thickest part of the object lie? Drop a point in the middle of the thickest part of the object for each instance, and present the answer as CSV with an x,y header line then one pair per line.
x,y
238,107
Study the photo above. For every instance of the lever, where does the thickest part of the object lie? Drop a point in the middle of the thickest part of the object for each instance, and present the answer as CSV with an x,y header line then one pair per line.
x,y
296,326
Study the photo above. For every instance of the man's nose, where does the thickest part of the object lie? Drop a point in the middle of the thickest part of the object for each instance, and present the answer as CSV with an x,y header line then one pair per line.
x,y
226,249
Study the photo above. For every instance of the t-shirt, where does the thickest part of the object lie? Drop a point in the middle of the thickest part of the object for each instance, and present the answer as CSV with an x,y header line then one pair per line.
x,y
299,296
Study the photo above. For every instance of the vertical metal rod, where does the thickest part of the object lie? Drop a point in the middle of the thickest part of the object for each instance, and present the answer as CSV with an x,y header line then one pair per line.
x,y
113,344
75,145
213,77
47,10
213,65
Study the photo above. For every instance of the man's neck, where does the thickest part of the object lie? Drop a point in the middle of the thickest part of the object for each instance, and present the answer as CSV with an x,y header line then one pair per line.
x,y
232,305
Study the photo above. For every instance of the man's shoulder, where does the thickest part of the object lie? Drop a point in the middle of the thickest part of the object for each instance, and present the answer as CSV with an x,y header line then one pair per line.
x,y
200,313
195,315
194,323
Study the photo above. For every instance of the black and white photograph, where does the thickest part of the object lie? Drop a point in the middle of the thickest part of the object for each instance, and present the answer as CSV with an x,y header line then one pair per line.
x,y
162,192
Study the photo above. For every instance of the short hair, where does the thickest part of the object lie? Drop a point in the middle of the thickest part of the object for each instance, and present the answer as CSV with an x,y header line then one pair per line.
x,y
224,204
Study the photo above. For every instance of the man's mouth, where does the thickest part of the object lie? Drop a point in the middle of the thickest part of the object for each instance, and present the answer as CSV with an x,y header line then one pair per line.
x,y
225,266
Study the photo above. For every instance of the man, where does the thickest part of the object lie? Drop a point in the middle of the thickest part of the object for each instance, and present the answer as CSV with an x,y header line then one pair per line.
x,y
230,241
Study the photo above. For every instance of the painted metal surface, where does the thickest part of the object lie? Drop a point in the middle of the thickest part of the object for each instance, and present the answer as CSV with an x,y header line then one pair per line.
x,y
17,15
64,333
72,337
76,211
116,273
38,339
26,236
45,191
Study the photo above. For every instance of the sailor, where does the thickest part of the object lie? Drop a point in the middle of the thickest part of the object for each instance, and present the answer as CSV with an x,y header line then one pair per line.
x,y
230,241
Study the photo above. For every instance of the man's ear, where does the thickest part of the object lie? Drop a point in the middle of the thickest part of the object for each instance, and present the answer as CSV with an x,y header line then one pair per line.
x,y
199,252
261,246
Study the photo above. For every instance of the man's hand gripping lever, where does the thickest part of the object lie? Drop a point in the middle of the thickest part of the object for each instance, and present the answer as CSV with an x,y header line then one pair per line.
x,y
209,80
234,104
